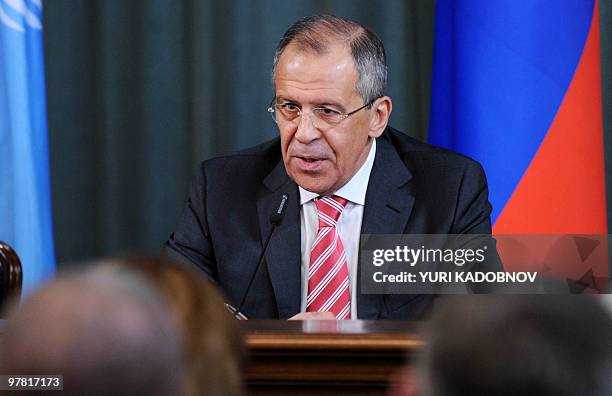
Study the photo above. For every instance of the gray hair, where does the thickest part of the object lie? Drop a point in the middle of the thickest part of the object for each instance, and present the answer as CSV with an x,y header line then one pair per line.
x,y
317,32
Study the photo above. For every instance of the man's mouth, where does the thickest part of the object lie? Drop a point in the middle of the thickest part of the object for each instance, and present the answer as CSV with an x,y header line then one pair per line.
x,y
309,163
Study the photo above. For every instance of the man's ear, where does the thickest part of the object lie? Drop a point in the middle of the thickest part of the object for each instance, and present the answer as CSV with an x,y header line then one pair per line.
x,y
381,111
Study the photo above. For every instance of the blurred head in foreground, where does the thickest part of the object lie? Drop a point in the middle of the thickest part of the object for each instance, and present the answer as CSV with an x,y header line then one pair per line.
x,y
105,336
519,345
213,342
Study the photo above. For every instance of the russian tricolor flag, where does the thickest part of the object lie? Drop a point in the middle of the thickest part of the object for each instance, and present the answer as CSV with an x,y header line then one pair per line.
x,y
517,86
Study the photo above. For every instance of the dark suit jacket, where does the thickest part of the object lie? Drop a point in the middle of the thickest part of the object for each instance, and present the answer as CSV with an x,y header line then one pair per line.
x,y
413,188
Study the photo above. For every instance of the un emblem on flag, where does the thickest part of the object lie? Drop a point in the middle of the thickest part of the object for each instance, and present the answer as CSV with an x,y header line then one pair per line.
x,y
21,14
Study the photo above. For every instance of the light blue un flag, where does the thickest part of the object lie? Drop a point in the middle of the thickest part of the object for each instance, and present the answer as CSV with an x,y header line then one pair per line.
x,y
25,201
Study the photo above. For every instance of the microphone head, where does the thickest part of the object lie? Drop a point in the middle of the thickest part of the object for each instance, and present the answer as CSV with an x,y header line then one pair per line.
x,y
276,218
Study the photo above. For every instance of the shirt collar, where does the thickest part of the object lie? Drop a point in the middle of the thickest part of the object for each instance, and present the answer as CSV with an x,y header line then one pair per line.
x,y
355,189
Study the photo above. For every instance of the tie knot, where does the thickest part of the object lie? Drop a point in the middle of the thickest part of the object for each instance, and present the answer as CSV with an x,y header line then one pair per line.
x,y
329,209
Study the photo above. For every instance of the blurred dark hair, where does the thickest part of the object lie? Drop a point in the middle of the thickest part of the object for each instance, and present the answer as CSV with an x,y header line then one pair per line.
x,y
519,345
213,342
105,336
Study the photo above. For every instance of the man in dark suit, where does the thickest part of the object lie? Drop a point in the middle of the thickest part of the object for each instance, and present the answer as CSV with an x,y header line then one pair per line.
x,y
345,173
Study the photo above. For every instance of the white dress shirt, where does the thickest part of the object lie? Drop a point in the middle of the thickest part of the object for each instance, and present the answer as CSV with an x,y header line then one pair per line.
x,y
349,225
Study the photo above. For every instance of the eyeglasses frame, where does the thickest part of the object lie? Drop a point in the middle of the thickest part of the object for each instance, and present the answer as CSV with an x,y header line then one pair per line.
x,y
272,105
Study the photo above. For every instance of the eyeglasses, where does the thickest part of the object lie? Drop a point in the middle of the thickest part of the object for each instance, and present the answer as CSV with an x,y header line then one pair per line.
x,y
324,117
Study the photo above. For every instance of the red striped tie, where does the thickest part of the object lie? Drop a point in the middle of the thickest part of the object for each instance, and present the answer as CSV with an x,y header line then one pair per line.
x,y
328,281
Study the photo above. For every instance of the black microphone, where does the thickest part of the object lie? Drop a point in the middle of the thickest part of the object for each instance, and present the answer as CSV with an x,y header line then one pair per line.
x,y
276,218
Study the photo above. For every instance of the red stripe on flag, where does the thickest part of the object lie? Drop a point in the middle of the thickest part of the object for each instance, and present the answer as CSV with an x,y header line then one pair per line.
x,y
563,189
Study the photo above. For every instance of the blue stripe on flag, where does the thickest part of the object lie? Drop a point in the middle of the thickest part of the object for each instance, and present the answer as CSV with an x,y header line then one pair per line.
x,y
25,198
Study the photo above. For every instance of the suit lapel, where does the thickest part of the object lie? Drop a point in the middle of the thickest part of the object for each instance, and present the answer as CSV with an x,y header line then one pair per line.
x,y
389,202
283,258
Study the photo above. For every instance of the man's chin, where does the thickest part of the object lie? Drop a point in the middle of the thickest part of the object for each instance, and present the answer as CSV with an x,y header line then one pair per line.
x,y
313,184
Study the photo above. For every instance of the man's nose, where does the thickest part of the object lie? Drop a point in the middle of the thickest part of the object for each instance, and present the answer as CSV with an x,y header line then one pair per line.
x,y
307,130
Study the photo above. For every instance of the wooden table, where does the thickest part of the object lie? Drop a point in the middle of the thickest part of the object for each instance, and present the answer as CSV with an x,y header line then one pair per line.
x,y
351,357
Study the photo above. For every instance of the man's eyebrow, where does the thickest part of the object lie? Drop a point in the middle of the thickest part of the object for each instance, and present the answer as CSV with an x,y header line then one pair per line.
x,y
322,102
333,103
284,98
